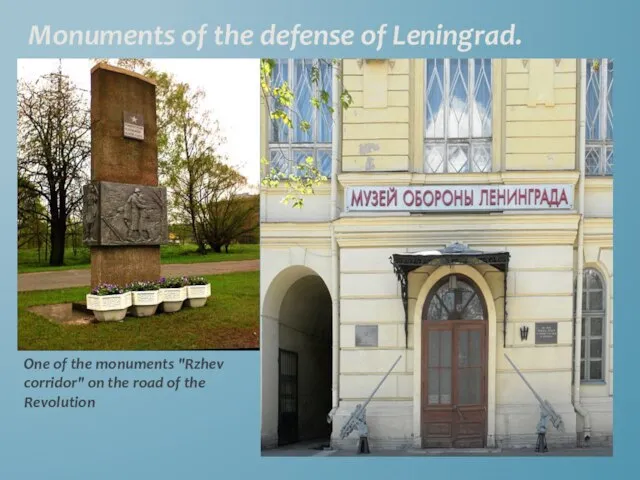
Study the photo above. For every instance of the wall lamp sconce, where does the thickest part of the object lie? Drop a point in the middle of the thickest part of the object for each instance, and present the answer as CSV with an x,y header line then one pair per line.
x,y
524,332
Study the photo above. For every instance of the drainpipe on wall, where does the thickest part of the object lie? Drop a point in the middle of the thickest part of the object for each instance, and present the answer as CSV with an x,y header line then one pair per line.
x,y
335,256
577,341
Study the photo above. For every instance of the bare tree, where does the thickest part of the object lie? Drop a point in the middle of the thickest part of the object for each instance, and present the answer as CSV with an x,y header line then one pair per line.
x,y
31,215
53,149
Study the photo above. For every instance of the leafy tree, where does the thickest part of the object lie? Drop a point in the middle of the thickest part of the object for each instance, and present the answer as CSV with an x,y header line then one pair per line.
x,y
188,145
53,150
280,101
227,213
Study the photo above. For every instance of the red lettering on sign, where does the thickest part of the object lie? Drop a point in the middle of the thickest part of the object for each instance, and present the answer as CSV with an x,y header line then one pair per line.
x,y
563,197
428,202
356,198
468,198
447,198
407,198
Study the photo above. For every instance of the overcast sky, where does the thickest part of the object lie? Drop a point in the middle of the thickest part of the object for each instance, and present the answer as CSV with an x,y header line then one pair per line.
x,y
232,96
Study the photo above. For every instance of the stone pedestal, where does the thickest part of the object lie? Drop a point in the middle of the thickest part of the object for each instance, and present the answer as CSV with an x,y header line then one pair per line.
x,y
123,150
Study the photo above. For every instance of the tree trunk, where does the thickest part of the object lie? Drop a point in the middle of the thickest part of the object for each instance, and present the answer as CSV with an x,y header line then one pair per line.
x,y
58,232
217,248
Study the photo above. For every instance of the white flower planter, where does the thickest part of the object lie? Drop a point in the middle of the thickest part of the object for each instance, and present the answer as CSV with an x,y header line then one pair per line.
x,y
197,295
145,303
109,308
172,298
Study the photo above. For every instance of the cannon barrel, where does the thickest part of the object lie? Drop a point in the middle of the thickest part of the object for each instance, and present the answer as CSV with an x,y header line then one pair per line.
x,y
358,414
540,400
545,406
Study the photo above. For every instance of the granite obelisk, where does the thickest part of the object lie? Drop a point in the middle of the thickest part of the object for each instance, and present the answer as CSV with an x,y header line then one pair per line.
x,y
125,213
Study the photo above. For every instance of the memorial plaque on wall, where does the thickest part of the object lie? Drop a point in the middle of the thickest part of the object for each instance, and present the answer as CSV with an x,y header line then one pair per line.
x,y
546,333
124,214
133,126
366,335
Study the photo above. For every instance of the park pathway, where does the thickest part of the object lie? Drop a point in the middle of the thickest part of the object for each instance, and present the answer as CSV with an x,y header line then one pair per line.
x,y
80,278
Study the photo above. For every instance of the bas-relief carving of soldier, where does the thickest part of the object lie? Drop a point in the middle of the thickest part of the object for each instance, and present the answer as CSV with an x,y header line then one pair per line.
x,y
90,213
116,225
135,216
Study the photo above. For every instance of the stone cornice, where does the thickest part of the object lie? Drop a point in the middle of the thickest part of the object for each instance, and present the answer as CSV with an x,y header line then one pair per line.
x,y
593,184
323,243
461,222
420,239
600,223
322,189
311,234
541,177
496,230
599,231
507,178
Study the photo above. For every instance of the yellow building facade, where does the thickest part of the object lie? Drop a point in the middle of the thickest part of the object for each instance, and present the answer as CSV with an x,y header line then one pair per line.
x,y
469,204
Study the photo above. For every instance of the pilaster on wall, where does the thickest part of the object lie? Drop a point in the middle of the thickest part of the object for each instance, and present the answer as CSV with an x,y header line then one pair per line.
x,y
376,125
540,114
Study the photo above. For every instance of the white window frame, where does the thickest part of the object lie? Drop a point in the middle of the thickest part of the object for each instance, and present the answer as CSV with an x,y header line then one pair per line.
x,y
445,141
289,148
602,143
586,337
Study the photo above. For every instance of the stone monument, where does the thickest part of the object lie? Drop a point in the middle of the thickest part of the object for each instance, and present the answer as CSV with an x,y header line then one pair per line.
x,y
125,212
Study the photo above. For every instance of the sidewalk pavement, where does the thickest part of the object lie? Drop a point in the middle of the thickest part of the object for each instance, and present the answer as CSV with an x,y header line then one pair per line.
x,y
82,277
313,449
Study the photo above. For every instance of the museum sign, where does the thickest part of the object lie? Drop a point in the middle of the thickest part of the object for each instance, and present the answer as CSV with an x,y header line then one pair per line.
x,y
437,198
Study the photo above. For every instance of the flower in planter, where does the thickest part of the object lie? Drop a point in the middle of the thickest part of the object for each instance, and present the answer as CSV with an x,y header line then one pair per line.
x,y
173,282
198,290
142,287
145,298
173,293
109,302
107,289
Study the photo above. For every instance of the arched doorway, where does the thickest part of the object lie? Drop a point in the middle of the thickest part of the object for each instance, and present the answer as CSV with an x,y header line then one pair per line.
x,y
454,365
304,385
296,358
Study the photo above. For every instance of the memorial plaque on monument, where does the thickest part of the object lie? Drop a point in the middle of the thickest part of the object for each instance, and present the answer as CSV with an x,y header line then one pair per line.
x,y
124,214
546,333
133,126
366,335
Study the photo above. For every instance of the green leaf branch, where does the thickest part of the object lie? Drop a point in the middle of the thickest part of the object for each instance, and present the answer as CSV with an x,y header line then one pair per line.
x,y
280,102
297,184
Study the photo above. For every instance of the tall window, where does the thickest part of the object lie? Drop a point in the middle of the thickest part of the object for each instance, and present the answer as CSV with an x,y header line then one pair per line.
x,y
458,116
599,113
593,327
289,147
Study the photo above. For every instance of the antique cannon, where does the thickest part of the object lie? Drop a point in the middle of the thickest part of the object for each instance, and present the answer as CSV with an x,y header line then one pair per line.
x,y
358,419
546,413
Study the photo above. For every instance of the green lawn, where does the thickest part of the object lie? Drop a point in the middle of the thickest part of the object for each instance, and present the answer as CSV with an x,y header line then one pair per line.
x,y
229,320
28,258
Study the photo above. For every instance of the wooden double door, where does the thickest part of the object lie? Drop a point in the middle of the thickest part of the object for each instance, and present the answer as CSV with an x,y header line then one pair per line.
x,y
454,366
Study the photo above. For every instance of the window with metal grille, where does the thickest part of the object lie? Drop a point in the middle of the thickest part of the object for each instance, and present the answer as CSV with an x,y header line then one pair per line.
x,y
291,146
599,117
593,327
458,116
